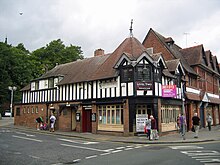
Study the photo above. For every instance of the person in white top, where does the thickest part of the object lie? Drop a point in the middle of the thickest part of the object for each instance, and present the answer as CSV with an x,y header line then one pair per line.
x,y
52,122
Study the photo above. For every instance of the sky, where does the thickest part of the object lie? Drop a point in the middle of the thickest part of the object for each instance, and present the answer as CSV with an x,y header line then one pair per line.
x,y
94,24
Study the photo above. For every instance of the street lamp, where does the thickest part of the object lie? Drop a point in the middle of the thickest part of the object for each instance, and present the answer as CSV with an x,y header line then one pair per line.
x,y
12,89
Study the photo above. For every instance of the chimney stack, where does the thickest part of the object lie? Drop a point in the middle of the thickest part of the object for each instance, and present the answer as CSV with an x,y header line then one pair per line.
x,y
99,52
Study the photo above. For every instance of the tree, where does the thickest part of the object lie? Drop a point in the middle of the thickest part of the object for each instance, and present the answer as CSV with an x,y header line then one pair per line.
x,y
56,53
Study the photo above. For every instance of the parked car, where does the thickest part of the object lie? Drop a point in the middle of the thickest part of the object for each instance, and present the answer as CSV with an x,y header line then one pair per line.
x,y
7,113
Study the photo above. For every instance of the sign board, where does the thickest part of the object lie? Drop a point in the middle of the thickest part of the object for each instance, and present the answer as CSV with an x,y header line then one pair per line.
x,y
168,90
143,85
140,122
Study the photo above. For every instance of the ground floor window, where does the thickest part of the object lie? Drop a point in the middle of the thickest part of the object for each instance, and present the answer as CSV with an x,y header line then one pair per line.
x,y
169,113
144,109
110,114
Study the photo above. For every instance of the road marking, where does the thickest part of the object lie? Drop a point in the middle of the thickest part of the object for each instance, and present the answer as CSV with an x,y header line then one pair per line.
x,y
126,149
185,147
77,142
209,160
25,134
118,148
116,151
89,157
204,156
76,160
25,138
86,148
35,157
107,153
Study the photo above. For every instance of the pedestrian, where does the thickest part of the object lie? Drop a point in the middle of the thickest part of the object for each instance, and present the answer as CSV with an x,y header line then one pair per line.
x,y
182,125
209,121
52,122
154,128
178,122
196,122
39,122
148,127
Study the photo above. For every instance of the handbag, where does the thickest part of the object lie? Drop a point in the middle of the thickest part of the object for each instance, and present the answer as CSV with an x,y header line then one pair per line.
x,y
193,129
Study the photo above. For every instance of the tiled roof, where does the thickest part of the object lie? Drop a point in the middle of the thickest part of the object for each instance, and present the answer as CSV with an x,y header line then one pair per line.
x,y
168,74
98,67
193,55
131,46
173,49
172,64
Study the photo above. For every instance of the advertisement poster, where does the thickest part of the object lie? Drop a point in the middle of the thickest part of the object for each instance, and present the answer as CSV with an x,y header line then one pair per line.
x,y
140,122
168,90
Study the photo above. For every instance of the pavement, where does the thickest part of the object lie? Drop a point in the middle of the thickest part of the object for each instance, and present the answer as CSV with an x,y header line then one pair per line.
x,y
204,135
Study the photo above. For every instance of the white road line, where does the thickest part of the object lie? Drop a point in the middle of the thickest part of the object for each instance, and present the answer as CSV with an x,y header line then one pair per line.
x,y
118,148
86,148
204,156
105,154
126,149
77,142
89,157
108,150
209,160
35,157
116,151
25,138
129,146
185,147
76,160
24,134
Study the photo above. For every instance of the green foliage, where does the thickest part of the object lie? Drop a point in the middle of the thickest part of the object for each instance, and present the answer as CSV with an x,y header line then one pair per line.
x,y
18,66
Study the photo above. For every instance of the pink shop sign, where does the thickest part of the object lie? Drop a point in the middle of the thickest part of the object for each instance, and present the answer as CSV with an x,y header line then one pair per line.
x,y
169,90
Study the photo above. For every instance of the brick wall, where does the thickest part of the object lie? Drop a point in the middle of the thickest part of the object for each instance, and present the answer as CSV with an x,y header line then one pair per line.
x,y
153,41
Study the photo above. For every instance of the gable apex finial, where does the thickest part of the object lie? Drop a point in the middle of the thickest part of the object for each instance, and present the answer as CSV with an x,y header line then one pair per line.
x,y
131,28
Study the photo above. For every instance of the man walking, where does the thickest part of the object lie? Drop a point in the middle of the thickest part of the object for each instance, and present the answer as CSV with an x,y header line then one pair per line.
x,y
209,121
182,122
196,121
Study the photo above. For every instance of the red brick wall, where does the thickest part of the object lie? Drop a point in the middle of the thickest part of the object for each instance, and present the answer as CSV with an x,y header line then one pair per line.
x,y
153,41
27,117
126,117
64,120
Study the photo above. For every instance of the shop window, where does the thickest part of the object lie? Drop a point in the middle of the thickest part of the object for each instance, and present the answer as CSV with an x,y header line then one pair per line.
x,y
169,113
111,114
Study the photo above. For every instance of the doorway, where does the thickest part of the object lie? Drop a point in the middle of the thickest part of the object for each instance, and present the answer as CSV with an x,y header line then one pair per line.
x,y
86,120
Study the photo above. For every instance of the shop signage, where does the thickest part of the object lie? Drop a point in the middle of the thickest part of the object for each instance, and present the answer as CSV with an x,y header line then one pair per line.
x,y
169,90
143,85
140,122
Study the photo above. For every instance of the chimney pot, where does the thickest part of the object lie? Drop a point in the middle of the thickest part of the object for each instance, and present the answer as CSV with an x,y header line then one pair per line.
x,y
99,52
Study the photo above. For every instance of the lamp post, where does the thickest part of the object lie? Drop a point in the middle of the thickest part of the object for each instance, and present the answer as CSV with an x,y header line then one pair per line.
x,y
12,89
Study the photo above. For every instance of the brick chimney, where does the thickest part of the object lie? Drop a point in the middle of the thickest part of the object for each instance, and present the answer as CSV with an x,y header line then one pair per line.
x,y
98,52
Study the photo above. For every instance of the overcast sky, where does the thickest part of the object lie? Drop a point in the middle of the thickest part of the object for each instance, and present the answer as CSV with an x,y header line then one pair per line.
x,y
93,24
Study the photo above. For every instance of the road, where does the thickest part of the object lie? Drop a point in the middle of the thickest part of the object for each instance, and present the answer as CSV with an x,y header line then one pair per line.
x,y
27,148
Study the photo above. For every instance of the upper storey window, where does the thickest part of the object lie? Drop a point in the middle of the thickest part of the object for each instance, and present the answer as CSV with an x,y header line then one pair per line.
x,y
144,73
127,74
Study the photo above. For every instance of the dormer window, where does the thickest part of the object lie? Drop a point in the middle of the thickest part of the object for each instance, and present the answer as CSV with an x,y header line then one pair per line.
x,y
144,73
127,74
51,83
